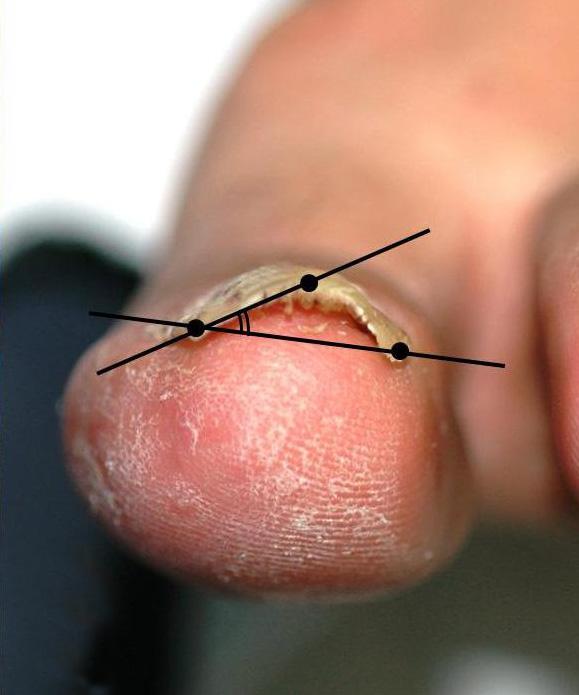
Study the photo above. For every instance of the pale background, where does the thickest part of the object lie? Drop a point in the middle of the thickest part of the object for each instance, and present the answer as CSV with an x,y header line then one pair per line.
x,y
102,104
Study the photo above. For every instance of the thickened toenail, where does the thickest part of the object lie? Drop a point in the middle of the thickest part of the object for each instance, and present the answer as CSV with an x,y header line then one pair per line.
x,y
334,294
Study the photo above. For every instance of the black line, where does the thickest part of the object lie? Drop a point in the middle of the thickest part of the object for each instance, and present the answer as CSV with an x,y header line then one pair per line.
x,y
333,271
463,360
353,346
372,254
247,331
141,319
142,354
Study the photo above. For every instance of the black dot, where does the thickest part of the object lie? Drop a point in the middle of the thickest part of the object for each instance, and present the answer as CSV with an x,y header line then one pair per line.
x,y
400,351
196,328
309,282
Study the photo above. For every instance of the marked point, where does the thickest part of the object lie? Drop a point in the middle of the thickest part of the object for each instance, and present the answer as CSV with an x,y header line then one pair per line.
x,y
400,351
309,282
196,328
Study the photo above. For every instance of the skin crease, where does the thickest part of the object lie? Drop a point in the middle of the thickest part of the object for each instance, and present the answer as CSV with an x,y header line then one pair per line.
x,y
268,468
558,302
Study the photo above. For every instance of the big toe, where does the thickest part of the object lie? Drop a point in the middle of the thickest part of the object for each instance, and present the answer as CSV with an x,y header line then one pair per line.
x,y
270,466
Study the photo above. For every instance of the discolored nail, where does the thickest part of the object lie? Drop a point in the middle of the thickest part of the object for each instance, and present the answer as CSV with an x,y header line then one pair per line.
x,y
331,294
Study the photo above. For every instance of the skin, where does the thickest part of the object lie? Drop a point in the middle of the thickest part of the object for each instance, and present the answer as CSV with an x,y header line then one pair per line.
x,y
280,469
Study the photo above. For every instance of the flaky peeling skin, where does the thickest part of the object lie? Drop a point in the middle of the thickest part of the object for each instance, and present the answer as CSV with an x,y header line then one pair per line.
x,y
333,294
272,468
269,468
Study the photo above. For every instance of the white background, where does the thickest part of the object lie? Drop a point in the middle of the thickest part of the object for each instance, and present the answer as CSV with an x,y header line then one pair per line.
x,y
102,105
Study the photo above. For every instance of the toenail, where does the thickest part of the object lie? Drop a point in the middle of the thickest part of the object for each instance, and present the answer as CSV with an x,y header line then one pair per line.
x,y
332,294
